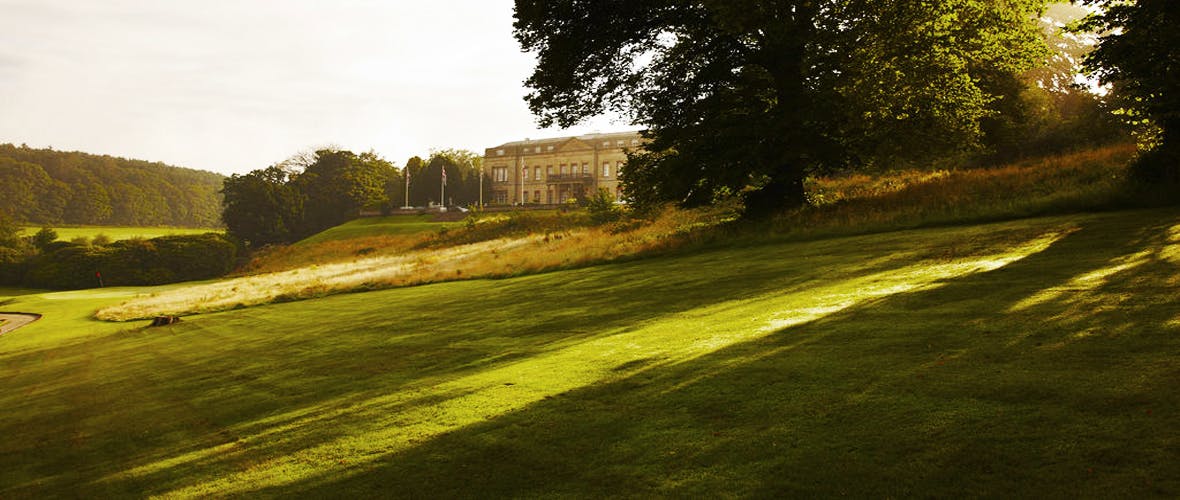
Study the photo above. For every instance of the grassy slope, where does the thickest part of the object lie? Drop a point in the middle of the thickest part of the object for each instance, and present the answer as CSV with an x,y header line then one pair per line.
x,y
1023,358
116,233
378,226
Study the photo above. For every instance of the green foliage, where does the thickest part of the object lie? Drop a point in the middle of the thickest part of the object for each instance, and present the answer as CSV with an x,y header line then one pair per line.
x,y
167,259
1137,55
463,169
338,185
263,207
9,231
43,186
751,96
602,207
280,204
1043,111
43,238
14,251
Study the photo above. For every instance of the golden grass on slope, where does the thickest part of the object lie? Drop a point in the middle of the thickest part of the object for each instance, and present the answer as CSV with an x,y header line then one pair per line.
x,y
1083,180
286,257
492,258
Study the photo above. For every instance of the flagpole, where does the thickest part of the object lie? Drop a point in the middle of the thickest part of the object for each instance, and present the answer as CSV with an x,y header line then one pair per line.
x,y
442,193
406,201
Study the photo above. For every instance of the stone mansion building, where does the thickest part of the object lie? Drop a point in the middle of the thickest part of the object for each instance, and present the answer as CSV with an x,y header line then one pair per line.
x,y
550,171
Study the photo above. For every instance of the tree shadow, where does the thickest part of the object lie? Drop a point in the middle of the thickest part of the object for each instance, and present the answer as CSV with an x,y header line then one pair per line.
x,y
204,399
1052,375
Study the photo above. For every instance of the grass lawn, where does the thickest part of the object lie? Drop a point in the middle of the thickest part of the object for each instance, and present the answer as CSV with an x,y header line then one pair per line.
x,y
1028,358
378,226
6,292
116,233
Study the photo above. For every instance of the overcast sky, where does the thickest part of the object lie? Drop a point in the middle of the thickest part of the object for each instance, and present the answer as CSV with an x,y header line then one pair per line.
x,y
236,85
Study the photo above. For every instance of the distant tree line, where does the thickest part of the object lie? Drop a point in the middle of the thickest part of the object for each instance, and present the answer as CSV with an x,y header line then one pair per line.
x,y
310,192
40,261
48,187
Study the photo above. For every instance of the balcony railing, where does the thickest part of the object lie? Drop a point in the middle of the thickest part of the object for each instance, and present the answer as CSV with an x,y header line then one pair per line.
x,y
569,177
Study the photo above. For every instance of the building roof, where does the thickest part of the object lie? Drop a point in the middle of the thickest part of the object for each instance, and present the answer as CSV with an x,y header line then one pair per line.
x,y
557,140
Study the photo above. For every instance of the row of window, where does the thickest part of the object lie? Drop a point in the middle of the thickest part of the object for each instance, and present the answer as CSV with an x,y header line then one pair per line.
x,y
501,197
606,144
500,174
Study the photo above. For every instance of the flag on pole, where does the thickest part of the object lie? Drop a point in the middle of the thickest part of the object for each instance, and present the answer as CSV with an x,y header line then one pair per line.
x,y
444,170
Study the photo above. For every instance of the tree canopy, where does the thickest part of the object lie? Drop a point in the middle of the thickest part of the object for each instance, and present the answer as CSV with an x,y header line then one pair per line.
x,y
263,207
44,186
1138,54
753,94
304,195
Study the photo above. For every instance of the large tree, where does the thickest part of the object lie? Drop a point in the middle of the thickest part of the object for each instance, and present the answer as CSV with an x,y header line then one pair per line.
x,y
755,94
1139,55
462,167
263,207
339,184
304,195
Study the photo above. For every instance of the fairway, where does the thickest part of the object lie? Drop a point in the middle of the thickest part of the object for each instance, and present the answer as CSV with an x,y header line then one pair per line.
x,y
116,233
1029,358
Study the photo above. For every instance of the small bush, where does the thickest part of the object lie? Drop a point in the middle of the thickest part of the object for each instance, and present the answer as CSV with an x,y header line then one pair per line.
x,y
602,208
12,265
44,237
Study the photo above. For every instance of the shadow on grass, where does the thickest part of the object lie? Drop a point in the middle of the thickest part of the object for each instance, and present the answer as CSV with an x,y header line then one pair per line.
x,y
221,392
891,388
1053,375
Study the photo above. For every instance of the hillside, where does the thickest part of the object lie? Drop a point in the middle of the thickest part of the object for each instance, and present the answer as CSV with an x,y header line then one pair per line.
x,y
48,187
1026,358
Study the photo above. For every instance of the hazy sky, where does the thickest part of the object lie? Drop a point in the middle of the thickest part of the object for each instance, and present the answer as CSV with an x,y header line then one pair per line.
x,y
236,85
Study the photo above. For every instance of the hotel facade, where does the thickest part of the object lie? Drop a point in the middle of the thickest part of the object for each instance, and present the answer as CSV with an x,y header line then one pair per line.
x,y
553,171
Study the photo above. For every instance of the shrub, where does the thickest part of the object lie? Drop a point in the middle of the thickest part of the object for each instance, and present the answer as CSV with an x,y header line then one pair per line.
x,y
602,208
12,265
44,237
157,261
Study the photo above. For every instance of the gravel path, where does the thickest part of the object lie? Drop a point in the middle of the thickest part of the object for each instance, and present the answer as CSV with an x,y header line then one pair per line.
x,y
12,321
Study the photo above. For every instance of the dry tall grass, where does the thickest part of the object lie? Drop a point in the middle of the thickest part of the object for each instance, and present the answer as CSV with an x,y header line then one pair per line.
x,y
396,266
1086,180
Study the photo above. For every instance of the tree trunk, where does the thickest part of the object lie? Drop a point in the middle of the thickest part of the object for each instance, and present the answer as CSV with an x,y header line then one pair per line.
x,y
1161,165
785,190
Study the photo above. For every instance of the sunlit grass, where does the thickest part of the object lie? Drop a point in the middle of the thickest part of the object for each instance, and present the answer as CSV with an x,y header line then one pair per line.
x,y
379,226
881,365
116,233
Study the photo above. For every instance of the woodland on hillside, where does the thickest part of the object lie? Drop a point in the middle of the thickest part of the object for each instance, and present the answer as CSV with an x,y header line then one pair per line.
x,y
48,187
